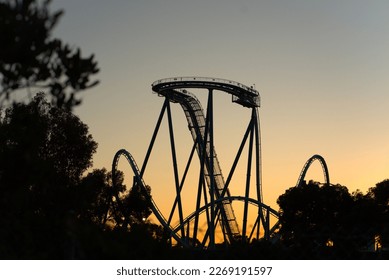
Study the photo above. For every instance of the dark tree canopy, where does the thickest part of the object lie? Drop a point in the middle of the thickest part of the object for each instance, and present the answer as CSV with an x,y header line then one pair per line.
x,y
138,203
380,195
318,219
96,203
93,196
312,214
44,152
50,207
31,59
37,137
131,207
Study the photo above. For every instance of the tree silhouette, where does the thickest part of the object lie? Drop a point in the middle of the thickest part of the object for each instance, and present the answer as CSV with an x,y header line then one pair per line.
x,y
361,223
130,207
380,195
312,216
31,59
138,203
44,151
322,221
93,197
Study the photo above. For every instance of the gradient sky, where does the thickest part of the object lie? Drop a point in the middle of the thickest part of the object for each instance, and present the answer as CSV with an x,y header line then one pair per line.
x,y
321,67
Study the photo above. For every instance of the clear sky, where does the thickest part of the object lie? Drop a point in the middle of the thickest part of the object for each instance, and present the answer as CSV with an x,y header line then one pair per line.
x,y
321,67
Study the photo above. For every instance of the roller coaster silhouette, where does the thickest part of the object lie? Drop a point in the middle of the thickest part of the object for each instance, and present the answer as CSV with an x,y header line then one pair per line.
x,y
213,210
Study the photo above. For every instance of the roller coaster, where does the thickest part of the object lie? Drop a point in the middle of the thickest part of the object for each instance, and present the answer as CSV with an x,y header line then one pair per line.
x,y
213,206
306,166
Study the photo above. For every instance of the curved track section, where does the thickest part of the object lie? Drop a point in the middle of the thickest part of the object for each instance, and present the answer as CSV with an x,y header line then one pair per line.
x,y
244,95
140,181
308,164
252,201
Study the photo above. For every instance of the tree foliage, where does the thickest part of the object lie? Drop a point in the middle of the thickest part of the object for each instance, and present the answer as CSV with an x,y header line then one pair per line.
x,y
311,214
131,207
380,195
44,152
138,203
326,220
93,195
50,207
37,137
31,59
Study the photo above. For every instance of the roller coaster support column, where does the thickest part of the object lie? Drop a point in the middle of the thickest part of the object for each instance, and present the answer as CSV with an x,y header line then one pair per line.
x,y
248,177
254,133
209,120
206,143
165,104
175,168
202,143
258,170
201,187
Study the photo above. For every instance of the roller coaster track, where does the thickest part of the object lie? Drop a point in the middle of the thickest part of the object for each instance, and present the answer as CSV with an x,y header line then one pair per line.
x,y
218,202
138,179
308,164
196,121
269,211
244,95
172,89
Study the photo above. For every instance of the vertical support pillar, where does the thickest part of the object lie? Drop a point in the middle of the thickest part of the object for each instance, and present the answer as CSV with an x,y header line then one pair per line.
x,y
202,144
211,174
247,191
201,185
267,225
258,165
175,168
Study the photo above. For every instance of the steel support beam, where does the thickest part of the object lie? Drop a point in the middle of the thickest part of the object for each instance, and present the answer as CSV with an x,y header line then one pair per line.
x,y
175,168
209,120
166,102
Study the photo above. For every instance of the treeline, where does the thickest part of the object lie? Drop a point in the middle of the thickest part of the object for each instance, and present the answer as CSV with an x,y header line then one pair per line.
x,y
52,209
319,221
326,221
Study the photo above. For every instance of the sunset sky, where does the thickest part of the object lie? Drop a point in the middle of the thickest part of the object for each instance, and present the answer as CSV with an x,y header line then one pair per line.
x,y
321,67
